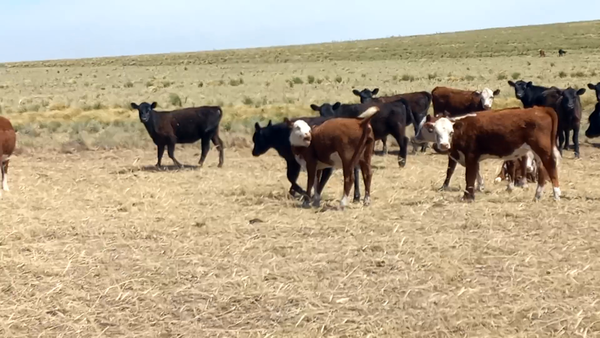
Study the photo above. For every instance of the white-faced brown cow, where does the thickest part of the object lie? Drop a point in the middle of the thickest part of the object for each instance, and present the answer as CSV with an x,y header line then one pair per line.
x,y
452,102
503,134
336,143
8,140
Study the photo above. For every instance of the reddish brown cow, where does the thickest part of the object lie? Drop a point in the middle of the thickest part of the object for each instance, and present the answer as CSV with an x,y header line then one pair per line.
x,y
8,139
504,134
452,102
336,143
512,171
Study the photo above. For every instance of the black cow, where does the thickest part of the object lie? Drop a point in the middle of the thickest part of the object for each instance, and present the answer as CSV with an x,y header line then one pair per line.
x,y
567,104
419,103
596,88
393,117
527,92
186,125
594,120
277,136
561,52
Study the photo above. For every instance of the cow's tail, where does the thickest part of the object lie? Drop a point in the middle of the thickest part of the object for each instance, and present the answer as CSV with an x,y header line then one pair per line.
x,y
553,135
366,129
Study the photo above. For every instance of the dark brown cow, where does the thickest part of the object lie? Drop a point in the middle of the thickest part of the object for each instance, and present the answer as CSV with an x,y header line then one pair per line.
x,y
542,53
452,102
8,139
503,134
336,143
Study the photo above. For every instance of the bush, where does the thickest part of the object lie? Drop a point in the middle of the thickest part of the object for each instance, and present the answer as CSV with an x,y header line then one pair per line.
x,y
175,100
128,84
297,80
310,79
469,77
578,74
234,82
338,79
515,75
247,101
562,74
502,77
432,76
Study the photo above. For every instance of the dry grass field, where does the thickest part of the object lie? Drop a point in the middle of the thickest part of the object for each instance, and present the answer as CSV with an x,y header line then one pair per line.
x,y
96,243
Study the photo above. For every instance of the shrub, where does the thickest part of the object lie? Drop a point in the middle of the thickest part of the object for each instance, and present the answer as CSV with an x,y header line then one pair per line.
x,y
562,74
515,75
502,77
338,79
469,77
234,82
310,79
297,80
578,74
128,84
432,76
174,100
247,101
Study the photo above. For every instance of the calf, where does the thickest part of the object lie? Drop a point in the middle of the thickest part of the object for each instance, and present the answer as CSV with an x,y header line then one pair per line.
x,y
393,117
596,88
594,120
567,104
504,134
336,143
277,136
452,102
513,170
527,92
561,52
186,125
8,139
418,102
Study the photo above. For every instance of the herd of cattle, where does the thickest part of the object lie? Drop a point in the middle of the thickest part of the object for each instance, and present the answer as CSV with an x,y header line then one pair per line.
x,y
463,126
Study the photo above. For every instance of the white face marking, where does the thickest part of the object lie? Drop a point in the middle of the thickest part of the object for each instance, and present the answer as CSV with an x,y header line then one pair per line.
x,y
487,98
443,130
300,136
556,193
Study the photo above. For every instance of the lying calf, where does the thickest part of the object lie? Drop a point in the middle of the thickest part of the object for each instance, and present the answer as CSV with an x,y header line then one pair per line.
x,y
336,143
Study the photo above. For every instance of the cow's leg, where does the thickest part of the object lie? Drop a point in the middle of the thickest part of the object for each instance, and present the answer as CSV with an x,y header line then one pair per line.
x,y
502,174
449,173
424,147
348,180
367,174
561,140
204,150
171,153
472,169
512,172
576,140
526,163
311,170
216,140
325,175
316,201
293,171
567,134
399,133
550,162
356,185
4,175
160,151
385,148
480,184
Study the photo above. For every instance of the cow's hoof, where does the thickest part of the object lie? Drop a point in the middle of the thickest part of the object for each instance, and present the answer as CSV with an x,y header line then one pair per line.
x,y
367,201
444,188
402,162
316,204
306,204
577,155
467,198
356,199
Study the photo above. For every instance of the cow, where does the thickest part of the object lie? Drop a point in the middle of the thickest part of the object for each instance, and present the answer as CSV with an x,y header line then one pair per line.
x,y
504,134
336,143
567,104
596,88
542,53
392,119
513,170
186,125
527,92
418,102
8,139
593,130
561,52
452,102
277,136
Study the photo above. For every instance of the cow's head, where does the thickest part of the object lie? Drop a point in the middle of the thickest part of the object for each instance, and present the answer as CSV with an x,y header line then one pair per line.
x,y
300,134
326,109
145,109
487,97
569,101
366,95
442,130
594,127
596,88
425,130
262,139
520,87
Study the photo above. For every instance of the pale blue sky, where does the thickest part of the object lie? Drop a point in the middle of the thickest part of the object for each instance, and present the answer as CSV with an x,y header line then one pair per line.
x,y
44,29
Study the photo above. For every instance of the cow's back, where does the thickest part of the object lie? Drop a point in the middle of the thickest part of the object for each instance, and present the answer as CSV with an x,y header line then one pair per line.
x,y
453,101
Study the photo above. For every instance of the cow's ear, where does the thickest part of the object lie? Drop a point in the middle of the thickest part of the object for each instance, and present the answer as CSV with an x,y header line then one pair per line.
x,y
375,91
529,84
581,91
591,86
315,107
336,106
496,92
153,105
134,105
427,118
429,127
287,122
356,92
270,123
510,83
256,126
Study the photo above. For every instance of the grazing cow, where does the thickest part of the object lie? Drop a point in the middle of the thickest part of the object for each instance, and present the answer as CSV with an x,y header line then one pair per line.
x,y
418,102
186,125
8,139
336,143
392,119
542,53
277,136
596,88
504,134
567,104
527,92
452,102
561,52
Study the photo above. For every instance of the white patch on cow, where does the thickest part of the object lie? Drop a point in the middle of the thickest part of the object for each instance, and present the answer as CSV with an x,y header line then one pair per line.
x,y
300,134
487,98
511,186
335,158
5,182
344,201
530,162
300,161
367,201
480,187
5,158
538,191
523,150
556,193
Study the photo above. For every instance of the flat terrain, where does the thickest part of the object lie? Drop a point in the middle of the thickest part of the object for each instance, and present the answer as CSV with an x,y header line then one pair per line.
x,y
94,242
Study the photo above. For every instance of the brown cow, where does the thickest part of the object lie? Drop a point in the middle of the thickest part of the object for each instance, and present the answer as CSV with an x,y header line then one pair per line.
x,y
452,102
8,139
336,143
542,53
504,134
513,170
